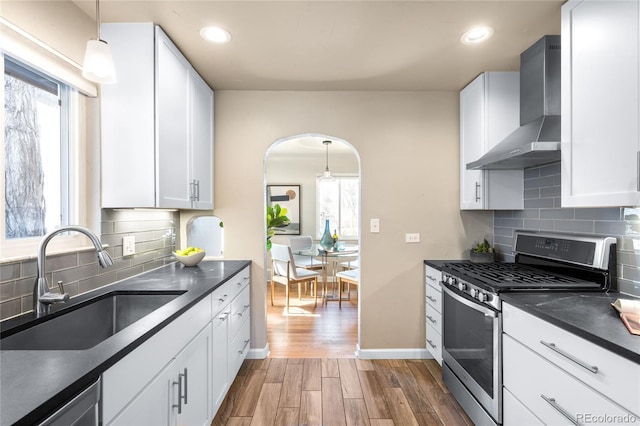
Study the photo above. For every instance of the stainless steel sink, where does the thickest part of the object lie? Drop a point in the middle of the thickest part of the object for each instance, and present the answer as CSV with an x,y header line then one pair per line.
x,y
84,326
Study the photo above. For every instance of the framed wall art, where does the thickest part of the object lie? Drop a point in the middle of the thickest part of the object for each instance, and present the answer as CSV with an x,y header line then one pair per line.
x,y
287,196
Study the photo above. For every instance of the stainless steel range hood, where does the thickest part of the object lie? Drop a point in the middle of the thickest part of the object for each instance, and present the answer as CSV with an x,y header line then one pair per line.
x,y
537,140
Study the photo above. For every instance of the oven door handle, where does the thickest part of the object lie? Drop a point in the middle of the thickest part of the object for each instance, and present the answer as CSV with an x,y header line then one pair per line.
x,y
473,305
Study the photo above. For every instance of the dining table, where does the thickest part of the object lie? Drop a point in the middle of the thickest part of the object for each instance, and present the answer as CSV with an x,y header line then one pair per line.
x,y
330,257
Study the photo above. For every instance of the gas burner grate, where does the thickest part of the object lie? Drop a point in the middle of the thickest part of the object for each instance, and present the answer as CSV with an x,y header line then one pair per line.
x,y
513,275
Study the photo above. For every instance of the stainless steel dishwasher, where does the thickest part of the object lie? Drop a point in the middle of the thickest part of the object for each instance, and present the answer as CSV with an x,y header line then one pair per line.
x,y
82,410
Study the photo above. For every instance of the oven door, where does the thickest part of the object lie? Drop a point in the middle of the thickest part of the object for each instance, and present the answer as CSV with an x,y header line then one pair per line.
x,y
472,348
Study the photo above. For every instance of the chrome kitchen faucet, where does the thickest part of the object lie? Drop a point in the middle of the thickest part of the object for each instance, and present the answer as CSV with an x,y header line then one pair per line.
x,y
42,297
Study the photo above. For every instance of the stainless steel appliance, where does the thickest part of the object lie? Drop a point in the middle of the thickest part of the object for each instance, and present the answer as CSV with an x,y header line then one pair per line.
x,y
537,140
472,318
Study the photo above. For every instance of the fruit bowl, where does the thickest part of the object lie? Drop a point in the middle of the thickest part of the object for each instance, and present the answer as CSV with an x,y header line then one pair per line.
x,y
191,259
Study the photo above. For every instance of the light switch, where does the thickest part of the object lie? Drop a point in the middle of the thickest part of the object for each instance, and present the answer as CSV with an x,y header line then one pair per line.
x,y
128,245
374,226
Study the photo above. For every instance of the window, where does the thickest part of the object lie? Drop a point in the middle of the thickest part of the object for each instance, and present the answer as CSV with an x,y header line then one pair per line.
x,y
338,201
37,148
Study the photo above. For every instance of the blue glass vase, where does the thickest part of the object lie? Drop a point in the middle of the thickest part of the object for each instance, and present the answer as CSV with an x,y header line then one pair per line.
x,y
326,242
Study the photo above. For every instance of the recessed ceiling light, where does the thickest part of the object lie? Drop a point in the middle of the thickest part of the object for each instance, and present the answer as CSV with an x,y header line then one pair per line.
x,y
215,34
477,35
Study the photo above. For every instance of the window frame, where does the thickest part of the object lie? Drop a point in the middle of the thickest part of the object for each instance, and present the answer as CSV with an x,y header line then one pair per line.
x,y
72,173
320,219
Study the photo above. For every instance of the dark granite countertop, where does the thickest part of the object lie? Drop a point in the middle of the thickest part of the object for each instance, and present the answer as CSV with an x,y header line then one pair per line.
x,y
585,314
33,384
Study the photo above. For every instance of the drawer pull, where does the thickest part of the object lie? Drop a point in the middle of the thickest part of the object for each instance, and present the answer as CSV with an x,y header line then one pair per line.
x,y
430,318
223,298
431,344
552,402
553,347
224,316
246,343
432,299
429,277
244,310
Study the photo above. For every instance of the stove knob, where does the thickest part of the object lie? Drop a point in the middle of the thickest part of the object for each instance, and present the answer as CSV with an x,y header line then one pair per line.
x,y
473,292
462,286
481,296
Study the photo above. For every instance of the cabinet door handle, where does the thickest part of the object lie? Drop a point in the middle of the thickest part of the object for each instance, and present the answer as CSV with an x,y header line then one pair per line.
x,y
186,386
431,298
429,277
477,191
430,318
553,347
179,404
246,343
197,184
431,344
559,409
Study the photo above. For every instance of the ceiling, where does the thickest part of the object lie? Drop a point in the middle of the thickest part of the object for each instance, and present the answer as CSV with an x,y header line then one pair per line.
x,y
343,45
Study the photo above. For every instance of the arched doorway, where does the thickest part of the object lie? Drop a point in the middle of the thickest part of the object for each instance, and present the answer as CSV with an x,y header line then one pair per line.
x,y
297,162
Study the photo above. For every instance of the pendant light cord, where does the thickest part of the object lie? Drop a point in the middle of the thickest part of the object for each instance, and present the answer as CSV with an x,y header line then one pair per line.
x,y
327,143
98,18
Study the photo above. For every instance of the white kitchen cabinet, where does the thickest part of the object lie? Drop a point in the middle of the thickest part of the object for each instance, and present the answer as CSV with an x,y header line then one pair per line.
x,y
230,325
600,103
145,377
555,374
157,124
179,394
489,112
220,379
433,312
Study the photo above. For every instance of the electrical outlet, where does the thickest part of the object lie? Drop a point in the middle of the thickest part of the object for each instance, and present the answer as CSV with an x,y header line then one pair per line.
x,y
411,238
374,226
128,245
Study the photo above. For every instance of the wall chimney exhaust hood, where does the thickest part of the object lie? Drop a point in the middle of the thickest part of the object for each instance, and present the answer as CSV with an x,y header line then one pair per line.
x,y
537,140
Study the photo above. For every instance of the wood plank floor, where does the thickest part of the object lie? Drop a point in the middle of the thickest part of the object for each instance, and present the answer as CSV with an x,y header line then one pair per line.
x,y
339,391
313,378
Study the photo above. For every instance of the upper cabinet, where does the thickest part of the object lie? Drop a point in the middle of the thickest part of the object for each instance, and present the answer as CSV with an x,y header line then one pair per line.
x,y
600,103
157,124
489,112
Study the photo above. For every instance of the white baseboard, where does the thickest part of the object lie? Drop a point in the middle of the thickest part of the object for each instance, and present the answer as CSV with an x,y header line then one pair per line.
x,y
408,353
259,353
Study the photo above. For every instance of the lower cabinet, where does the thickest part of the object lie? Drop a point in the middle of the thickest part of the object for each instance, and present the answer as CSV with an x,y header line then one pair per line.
x,y
181,375
220,378
433,312
554,377
179,394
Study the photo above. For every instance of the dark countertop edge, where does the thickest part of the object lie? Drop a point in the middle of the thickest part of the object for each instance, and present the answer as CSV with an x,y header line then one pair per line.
x,y
42,411
539,312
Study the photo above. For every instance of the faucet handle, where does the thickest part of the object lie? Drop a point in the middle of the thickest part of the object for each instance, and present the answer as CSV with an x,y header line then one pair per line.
x,y
61,287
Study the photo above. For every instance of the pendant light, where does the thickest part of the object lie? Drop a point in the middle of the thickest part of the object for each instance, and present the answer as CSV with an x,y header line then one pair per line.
x,y
98,62
326,175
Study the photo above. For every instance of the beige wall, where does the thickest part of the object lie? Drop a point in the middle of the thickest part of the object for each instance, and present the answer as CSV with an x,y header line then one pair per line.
x,y
408,147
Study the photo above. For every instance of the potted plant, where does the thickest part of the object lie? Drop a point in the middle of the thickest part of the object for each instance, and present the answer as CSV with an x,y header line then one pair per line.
x,y
482,253
276,218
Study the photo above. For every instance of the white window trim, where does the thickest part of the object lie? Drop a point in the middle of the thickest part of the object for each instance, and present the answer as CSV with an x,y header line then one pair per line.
x,y
26,248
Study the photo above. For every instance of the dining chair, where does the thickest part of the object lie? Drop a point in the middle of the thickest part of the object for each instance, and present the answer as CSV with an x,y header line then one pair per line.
x,y
351,264
348,277
285,271
304,243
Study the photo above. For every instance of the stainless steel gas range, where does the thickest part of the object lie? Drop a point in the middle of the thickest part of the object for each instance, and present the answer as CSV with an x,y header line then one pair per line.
x,y
472,331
